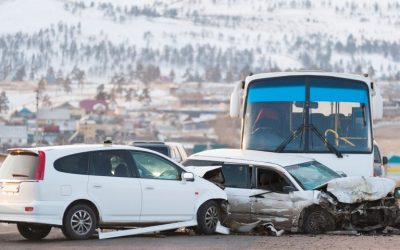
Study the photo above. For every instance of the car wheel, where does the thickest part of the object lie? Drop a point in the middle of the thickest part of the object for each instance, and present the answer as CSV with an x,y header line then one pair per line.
x,y
208,216
317,220
79,223
33,231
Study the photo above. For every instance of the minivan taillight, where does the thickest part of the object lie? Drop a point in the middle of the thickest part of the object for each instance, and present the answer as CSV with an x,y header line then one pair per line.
x,y
40,168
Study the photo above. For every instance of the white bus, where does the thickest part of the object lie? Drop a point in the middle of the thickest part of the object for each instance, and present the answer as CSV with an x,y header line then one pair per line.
x,y
323,116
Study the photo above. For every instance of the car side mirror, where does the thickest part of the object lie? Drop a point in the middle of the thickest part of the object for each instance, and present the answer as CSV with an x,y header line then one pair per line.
x,y
396,193
341,173
288,189
188,176
385,160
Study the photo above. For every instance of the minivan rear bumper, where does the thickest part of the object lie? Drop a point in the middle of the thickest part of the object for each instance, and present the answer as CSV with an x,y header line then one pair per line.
x,y
43,212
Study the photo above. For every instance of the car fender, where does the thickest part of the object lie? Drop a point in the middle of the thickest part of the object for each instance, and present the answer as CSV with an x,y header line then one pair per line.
x,y
207,191
77,198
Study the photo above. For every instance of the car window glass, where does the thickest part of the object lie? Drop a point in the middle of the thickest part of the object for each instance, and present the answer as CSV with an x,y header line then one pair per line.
x,y
73,164
177,156
154,167
111,163
377,155
270,180
236,176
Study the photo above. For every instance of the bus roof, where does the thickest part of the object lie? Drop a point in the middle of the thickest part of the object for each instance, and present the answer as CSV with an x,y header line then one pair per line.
x,y
361,78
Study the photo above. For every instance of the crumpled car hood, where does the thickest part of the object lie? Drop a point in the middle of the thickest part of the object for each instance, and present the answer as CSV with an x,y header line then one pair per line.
x,y
201,171
356,189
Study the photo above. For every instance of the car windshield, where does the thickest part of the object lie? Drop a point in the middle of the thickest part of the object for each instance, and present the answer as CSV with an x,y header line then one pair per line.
x,y
311,175
307,114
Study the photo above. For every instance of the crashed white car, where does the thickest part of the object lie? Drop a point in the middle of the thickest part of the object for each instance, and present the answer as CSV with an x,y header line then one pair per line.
x,y
80,188
297,194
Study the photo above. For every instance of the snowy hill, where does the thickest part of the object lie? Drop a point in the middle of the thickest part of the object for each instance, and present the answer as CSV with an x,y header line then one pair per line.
x,y
196,40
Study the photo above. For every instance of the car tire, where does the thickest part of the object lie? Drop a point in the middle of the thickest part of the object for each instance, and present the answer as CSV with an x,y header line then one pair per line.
x,y
79,222
33,231
208,215
317,220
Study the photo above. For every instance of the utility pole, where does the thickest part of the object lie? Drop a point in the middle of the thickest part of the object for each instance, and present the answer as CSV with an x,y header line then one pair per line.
x,y
37,112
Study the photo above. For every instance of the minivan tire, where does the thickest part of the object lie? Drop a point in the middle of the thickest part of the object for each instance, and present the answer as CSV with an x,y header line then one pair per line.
x,y
208,216
79,222
33,231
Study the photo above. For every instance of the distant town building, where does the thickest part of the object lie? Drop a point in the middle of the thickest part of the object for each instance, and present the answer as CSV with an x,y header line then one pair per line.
x,y
60,117
13,135
90,105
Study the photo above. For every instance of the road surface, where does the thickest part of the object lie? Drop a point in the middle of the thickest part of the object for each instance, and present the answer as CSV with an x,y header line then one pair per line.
x,y
10,239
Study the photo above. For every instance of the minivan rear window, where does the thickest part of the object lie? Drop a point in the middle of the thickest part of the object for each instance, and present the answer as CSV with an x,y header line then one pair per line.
x,y
19,166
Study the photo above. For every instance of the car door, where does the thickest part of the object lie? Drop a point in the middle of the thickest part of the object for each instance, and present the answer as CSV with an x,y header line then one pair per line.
x,y
271,200
165,196
114,186
237,187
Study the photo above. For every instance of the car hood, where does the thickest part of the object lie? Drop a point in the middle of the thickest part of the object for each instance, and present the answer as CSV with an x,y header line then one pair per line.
x,y
356,189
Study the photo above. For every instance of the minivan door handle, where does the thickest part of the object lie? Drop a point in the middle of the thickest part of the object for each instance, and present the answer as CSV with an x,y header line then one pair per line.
x,y
97,186
149,188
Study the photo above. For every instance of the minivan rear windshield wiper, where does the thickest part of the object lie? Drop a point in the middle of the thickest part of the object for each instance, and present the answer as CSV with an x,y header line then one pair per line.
x,y
326,142
20,175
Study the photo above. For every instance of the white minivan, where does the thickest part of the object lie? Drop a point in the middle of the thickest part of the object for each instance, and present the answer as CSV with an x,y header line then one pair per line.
x,y
83,187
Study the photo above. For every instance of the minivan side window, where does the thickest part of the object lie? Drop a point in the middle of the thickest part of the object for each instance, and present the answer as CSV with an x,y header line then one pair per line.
x,y
151,166
236,176
113,163
73,164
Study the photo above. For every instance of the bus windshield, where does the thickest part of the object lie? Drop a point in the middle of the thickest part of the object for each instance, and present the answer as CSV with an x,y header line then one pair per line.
x,y
314,114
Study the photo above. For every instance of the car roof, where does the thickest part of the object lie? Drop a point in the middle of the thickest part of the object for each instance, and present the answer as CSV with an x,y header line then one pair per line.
x,y
250,156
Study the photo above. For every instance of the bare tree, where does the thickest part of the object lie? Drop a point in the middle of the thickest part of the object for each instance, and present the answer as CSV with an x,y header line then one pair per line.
x,y
4,102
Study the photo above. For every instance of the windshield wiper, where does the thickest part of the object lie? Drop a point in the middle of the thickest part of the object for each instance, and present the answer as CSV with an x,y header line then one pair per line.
x,y
20,175
327,143
300,130
286,142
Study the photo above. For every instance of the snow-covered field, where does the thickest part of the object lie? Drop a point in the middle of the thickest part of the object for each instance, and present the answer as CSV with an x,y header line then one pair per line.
x,y
270,28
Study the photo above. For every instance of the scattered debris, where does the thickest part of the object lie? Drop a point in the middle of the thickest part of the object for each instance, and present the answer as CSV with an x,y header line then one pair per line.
x,y
271,228
242,227
391,230
344,232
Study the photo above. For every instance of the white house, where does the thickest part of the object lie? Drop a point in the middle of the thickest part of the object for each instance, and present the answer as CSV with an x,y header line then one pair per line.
x,y
13,135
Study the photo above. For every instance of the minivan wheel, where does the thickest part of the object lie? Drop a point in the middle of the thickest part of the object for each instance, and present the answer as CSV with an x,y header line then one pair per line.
x,y
33,231
79,223
208,216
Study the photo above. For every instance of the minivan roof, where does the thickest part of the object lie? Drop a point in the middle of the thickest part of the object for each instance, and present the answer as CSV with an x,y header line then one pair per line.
x,y
75,147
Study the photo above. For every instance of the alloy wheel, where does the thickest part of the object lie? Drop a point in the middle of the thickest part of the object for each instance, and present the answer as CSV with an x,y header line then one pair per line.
x,y
81,222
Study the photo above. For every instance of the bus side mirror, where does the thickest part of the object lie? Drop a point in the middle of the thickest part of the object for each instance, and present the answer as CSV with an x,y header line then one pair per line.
x,y
385,160
234,109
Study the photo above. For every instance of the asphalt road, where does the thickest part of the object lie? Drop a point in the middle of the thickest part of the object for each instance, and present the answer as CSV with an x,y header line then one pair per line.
x,y
10,239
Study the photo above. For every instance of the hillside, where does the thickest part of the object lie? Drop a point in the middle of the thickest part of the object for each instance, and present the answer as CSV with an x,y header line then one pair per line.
x,y
195,40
